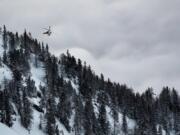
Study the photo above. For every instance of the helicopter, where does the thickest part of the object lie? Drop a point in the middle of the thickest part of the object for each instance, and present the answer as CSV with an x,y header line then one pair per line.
x,y
48,31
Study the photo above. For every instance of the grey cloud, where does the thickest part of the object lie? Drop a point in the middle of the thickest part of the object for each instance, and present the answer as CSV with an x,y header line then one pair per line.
x,y
131,41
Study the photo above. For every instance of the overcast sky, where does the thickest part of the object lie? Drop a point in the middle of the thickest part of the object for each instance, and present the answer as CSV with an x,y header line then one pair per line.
x,y
136,42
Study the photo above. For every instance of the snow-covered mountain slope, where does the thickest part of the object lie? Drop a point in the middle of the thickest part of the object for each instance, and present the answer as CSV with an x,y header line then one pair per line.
x,y
41,94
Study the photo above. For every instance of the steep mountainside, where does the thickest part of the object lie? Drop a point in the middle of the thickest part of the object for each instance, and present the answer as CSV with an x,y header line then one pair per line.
x,y
41,94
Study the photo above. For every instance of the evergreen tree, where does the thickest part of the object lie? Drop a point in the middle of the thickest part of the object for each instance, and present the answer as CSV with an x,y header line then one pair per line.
x,y
5,61
7,109
78,119
5,38
124,124
50,116
104,125
115,119
165,103
89,119
176,111
64,110
12,42
160,131
40,122
30,87
57,130
26,116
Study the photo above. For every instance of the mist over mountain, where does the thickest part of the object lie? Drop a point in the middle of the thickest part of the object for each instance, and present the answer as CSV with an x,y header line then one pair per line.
x,y
41,94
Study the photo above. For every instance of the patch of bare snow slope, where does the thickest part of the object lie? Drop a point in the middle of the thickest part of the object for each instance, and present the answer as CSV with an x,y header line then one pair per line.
x,y
75,85
37,73
5,73
17,127
5,130
131,123
35,122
